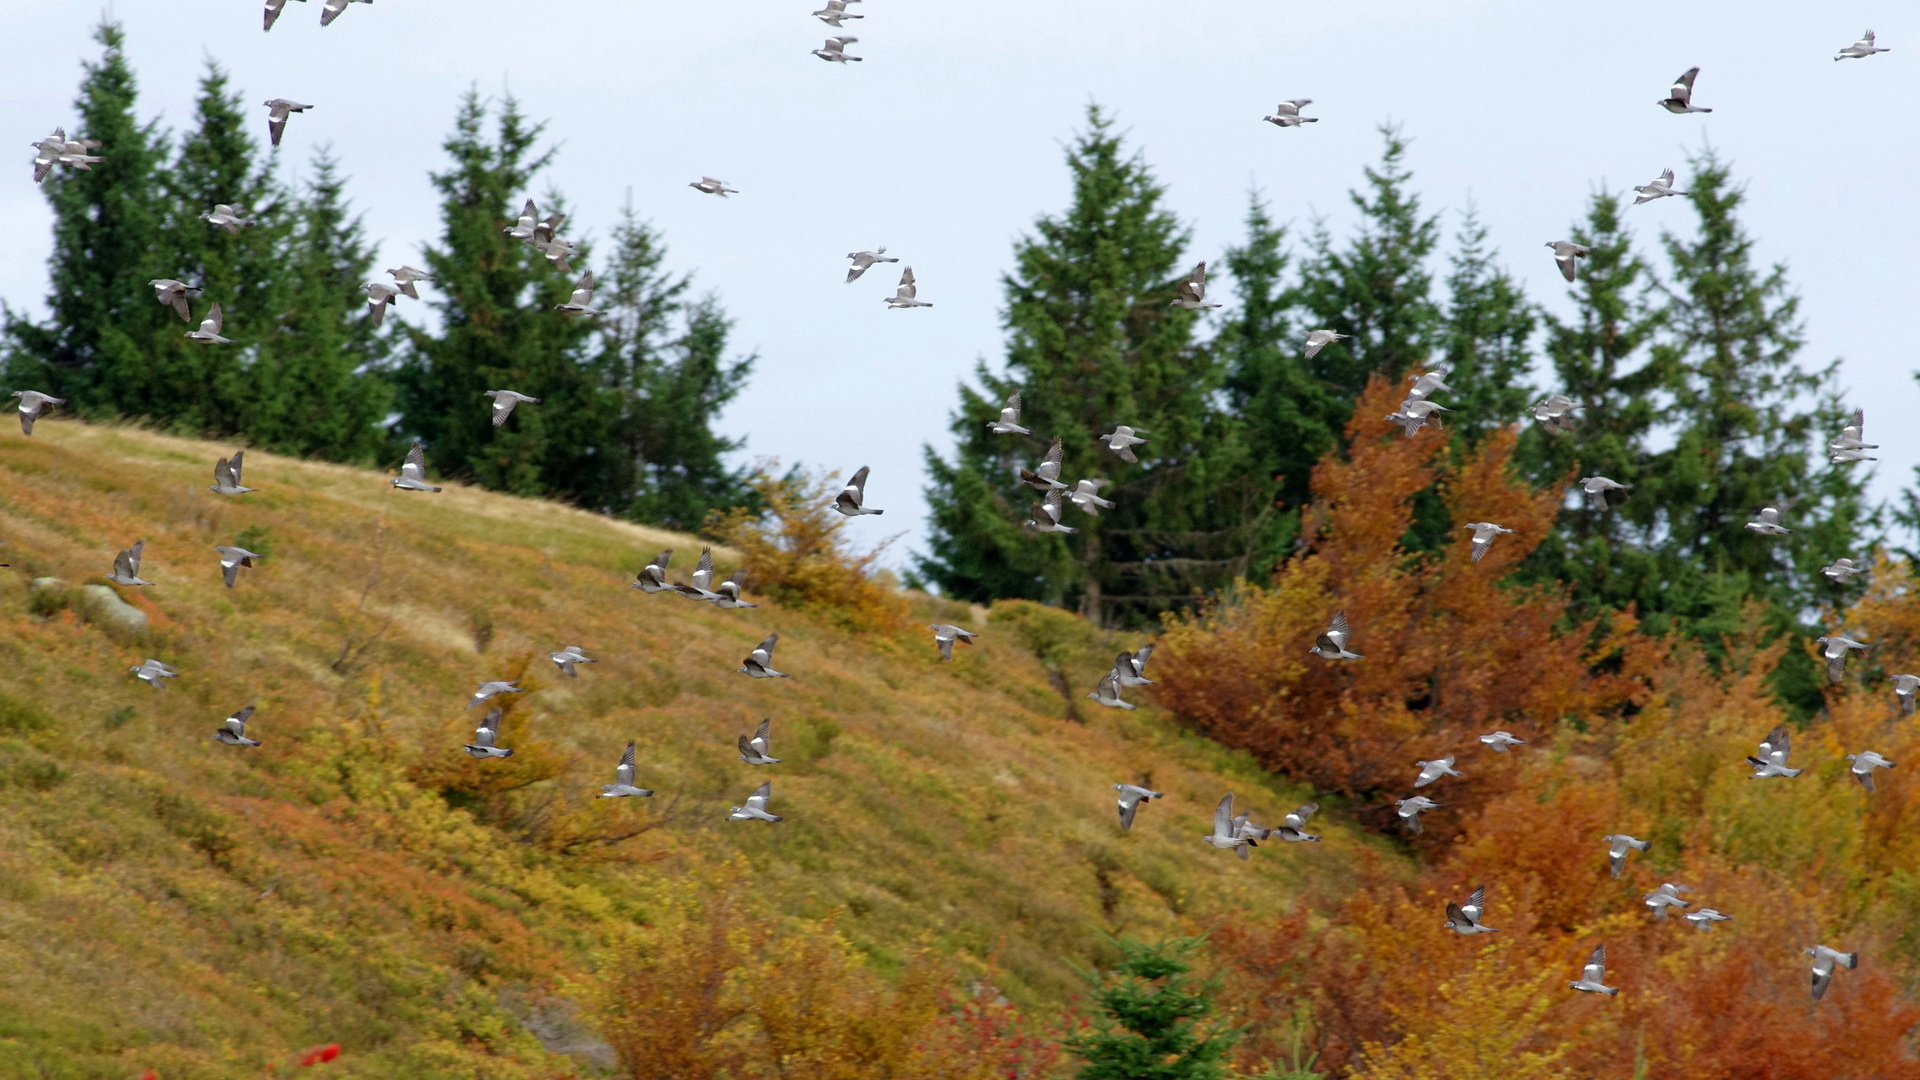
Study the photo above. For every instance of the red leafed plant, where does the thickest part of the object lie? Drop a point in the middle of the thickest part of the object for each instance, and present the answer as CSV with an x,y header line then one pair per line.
x,y
320,1055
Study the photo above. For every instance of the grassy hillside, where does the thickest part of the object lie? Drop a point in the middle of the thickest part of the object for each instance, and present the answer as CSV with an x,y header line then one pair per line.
x,y
169,902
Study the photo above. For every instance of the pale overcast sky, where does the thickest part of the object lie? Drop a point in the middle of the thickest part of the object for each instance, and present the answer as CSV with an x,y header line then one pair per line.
x,y
945,144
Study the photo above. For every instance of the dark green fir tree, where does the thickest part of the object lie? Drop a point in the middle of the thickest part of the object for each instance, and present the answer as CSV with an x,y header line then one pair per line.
x,y
1155,1020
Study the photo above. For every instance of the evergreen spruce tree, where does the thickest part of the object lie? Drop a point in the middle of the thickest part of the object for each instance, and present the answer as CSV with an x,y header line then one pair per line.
x,y
317,389
666,358
1095,341
1486,338
107,226
499,332
1154,1021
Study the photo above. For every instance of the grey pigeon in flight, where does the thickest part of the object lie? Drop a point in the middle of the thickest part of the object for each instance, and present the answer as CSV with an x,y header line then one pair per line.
x,y
32,404
525,224
1566,255
945,634
210,327
1618,844
1009,422
756,808
1294,828
1824,961
1086,496
1410,810
483,744
1660,187
1555,413
558,250
154,673
379,295
1904,688
1597,487
226,476
1500,740
1464,919
413,471
335,7
1593,977
1047,476
174,294
1767,523
491,689
1131,796
1706,917
1320,339
278,109
1864,763
504,401
1122,439
1850,445
652,577
758,750
1227,834
404,278
1131,667
233,730
1843,571
567,658
835,50
699,584
228,218
1835,648
906,294
707,185
623,786
1044,516
1192,293
1332,645
862,261
1434,770
1415,414
581,302
57,149
1861,49
1483,535
1107,693
727,595
126,566
759,663
1772,759
834,12
1287,114
1664,897
850,502
1679,98
232,559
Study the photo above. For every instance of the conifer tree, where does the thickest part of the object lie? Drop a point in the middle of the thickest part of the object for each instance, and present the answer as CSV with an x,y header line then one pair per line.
x,y
1486,339
1154,1022
107,223
1094,341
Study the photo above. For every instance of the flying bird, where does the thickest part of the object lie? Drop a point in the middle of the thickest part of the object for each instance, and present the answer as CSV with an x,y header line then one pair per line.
x,y
1044,516
1226,834
228,218
1415,414
1434,770
1660,187
1047,476
491,689
1086,496
1861,49
835,50
226,476
1566,255
1594,975
1107,693
1863,765
126,566
1849,445
1835,647
233,730
504,401
1293,829
335,7
1483,535
153,672
209,332
1843,571
232,559
581,303
1767,523
1679,99
1009,422
1618,845
1131,667
483,745
728,594
1464,919
1411,809
1287,114
864,260
32,404
404,278
1706,917
413,471
1555,413
707,185
1131,796
1904,687
699,584
379,295
1122,439
1320,339
834,12
278,109
652,577
849,501
759,663
1192,293
757,750
946,634
1664,897
904,296
1332,645
567,658
525,224
623,786
1500,740
1597,488
558,250
756,808
1427,383
1824,960
174,294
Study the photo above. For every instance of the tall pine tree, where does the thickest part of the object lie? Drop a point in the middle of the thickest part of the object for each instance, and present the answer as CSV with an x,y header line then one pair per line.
x,y
1095,341
1486,339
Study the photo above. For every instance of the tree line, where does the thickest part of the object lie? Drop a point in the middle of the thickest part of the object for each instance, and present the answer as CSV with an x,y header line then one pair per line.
x,y
625,426
1683,355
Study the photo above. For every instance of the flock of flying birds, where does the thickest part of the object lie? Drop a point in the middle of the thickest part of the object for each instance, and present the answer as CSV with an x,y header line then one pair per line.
x,y
1231,831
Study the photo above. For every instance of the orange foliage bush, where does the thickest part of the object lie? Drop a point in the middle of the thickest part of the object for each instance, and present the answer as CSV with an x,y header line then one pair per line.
x,y
798,555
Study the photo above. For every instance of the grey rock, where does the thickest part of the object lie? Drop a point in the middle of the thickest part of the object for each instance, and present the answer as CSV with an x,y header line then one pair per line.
x,y
104,608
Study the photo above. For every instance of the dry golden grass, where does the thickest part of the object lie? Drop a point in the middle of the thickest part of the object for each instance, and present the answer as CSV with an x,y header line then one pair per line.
x,y
169,902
